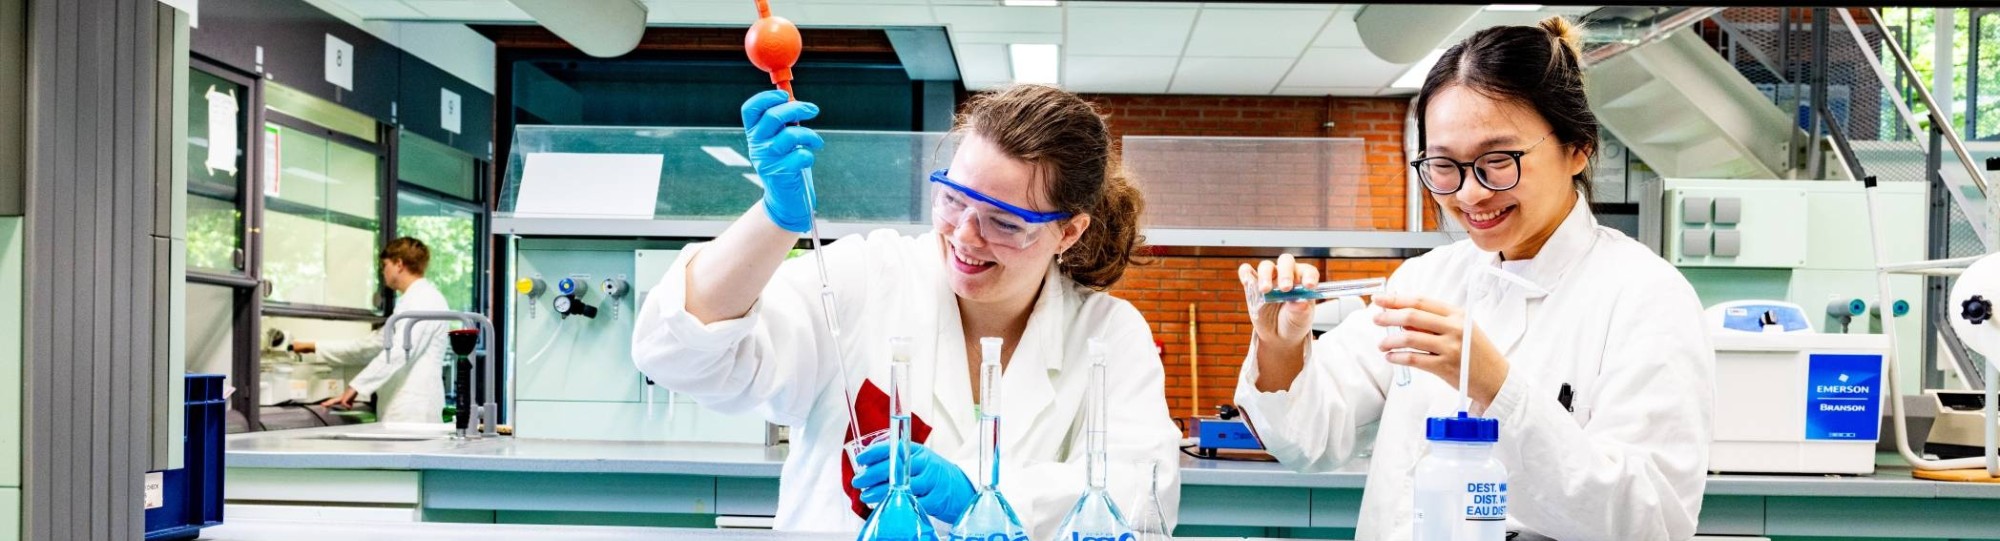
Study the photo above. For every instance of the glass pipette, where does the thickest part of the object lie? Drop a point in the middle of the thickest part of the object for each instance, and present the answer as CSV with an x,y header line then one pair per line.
x,y
1336,290
1328,290
773,45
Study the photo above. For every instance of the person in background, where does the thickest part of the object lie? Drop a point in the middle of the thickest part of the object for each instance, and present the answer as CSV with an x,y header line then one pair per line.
x,y
1033,220
1589,350
409,390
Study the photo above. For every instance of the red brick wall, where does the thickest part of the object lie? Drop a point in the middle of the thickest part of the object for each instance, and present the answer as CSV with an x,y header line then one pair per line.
x,y
1164,290
1368,194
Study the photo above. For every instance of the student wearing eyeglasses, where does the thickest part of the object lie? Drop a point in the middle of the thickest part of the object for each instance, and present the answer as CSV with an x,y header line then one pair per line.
x,y
1589,350
1033,220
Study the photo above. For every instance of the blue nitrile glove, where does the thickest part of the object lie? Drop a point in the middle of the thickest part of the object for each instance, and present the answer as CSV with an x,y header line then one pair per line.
x,y
783,153
940,487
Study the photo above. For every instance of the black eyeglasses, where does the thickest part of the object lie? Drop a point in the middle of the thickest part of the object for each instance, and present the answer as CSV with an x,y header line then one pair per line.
x,y
1499,170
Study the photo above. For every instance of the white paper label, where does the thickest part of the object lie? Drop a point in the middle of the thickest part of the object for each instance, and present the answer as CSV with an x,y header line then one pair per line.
x,y
1486,501
272,149
448,105
339,63
221,132
156,490
595,185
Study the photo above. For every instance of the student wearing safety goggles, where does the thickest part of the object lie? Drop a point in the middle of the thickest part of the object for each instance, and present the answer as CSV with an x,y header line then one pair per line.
x,y
1033,220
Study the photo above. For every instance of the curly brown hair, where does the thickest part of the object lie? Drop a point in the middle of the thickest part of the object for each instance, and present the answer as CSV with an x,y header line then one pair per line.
x,y
1067,140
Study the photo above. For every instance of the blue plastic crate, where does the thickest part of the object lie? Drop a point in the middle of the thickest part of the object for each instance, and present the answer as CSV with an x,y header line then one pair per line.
x,y
193,495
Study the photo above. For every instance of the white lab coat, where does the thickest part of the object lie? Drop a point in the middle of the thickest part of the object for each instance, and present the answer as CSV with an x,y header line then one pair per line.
x,y
411,392
775,361
1615,322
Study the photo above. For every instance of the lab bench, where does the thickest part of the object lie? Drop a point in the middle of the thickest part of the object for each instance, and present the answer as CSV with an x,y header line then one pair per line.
x,y
651,483
269,530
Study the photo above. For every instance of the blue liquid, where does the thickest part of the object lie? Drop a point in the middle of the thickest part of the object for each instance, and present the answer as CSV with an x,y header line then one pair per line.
x,y
899,517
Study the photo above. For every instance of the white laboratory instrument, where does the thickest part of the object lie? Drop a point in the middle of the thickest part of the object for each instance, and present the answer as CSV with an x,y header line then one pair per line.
x,y
1958,430
1791,400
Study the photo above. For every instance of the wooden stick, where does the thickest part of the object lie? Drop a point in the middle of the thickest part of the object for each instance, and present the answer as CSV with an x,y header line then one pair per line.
x,y
1194,364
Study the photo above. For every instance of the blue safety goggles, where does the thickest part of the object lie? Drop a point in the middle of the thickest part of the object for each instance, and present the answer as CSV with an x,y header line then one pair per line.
x,y
1030,216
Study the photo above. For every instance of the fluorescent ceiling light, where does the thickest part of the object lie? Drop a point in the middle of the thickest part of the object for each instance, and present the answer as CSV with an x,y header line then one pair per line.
x,y
1514,7
1414,78
754,179
1035,62
728,156
1031,3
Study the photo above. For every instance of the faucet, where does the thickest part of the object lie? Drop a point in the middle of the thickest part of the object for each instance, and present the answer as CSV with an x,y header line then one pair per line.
x,y
487,413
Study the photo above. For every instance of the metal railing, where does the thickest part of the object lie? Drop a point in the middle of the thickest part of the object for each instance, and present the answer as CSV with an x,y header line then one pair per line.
x,y
1649,30
1940,119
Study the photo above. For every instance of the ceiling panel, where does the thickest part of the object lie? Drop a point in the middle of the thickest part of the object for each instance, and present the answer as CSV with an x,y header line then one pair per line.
x,y
1006,37
468,10
696,12
1250,76
1107,46
1128,31
1000,19
1264,6
1343,67
382,9
1339,32
1121,74
866,14
786,5
1267,33
983,63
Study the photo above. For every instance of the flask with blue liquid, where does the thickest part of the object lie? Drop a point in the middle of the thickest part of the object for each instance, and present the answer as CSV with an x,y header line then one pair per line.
x,y
990,518
1095,517
899,517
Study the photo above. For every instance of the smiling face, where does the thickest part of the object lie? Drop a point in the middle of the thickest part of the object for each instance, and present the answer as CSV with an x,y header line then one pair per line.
x,y
983,272
1463,124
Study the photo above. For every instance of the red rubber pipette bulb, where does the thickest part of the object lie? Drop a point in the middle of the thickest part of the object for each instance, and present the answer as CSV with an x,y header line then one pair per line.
x,y
773,45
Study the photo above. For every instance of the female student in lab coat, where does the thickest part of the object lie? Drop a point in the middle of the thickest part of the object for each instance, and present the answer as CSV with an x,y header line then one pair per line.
x,y
1033,219
1593,356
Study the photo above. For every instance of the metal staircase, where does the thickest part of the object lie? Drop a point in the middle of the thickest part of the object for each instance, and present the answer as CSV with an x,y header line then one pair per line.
x,y
1685,110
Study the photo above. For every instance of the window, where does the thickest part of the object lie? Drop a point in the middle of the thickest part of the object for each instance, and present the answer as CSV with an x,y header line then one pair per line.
x,y
438,203
321,220
451,232
215,172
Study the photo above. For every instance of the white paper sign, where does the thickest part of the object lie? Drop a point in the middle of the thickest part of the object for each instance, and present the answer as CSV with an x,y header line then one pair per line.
x,y
589,185
221,132
156,490
272,151
448,106
339,63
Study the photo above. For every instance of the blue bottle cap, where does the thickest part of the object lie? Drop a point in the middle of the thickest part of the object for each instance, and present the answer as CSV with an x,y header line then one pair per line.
x,y
1463,428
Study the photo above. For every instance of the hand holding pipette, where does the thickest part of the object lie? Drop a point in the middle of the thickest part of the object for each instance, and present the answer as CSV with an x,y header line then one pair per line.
x,y
1434,338
1279,324
774,45
783,153
1280,295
